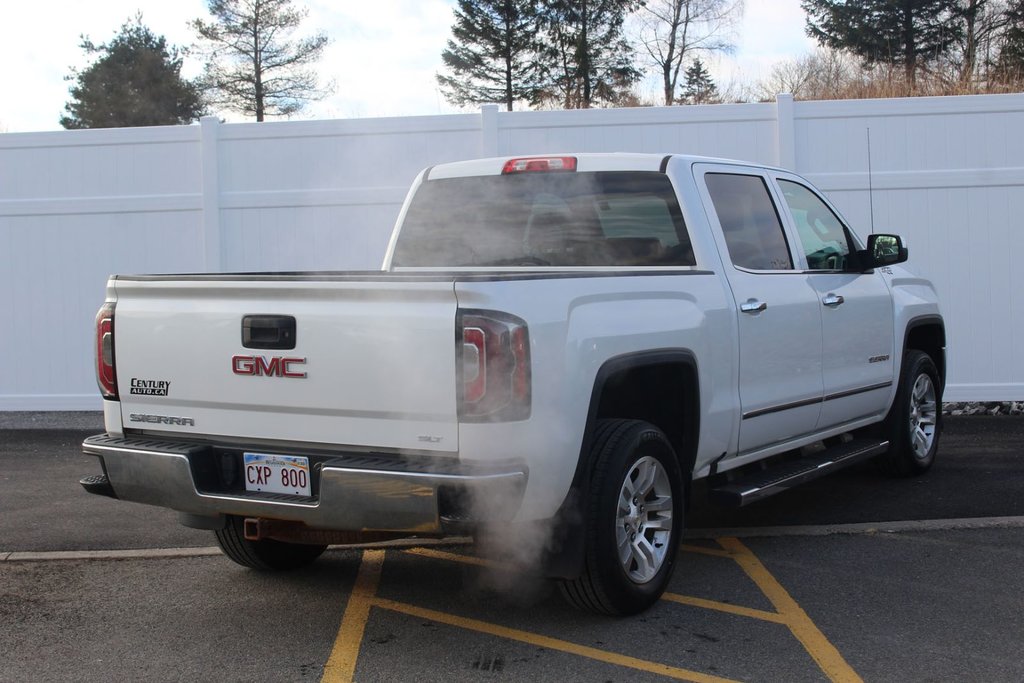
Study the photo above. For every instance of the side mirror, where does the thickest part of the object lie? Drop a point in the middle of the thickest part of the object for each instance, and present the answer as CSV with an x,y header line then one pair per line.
x,y
884,250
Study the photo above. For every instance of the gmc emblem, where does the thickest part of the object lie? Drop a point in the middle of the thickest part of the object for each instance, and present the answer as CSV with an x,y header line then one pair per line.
x,y
266,367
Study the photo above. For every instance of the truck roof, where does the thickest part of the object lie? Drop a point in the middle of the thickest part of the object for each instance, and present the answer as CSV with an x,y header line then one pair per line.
x,y
617,161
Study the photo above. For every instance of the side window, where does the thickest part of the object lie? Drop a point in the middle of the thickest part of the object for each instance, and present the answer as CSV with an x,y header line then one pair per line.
x,y
753,231
822,235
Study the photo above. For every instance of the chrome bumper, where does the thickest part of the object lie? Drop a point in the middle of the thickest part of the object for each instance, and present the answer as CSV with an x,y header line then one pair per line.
x,y
357,492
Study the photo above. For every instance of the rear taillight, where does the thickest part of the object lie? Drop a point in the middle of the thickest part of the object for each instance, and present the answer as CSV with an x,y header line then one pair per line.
x,y
105,375
494,354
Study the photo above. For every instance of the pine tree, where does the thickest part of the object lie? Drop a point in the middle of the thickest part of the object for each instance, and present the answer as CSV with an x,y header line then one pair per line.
x,y
491,56
135,81
587,60
253,66
1009,66
910,33
699,88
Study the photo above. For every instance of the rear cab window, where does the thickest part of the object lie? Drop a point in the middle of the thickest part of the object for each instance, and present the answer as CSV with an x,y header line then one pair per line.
x,y
610,218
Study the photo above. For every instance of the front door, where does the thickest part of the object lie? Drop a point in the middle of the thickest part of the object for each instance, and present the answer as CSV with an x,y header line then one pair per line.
x,y
856,310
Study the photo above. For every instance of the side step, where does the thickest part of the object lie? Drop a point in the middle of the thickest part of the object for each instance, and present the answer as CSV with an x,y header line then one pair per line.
x,y
98,484
788,474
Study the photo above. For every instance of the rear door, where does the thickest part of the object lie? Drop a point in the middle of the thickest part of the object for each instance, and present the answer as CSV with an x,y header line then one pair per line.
x,y
369,363
779,321
856,308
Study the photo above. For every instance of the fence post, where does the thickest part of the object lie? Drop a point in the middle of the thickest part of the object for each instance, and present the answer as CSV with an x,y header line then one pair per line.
x,y
209,131
785,131
489,130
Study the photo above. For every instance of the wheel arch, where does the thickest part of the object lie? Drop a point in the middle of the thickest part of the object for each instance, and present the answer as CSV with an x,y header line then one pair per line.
x,y
927,333
673,406
660,387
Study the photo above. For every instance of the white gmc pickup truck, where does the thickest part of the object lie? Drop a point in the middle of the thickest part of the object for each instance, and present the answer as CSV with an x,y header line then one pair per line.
x,y
566,342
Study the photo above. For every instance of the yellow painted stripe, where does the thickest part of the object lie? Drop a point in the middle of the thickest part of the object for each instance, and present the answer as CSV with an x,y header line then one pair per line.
x,y
450,557
341,665
773,617
813,640
715,552
547,642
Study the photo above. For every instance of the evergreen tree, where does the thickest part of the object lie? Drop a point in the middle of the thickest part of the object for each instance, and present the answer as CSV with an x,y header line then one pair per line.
x,y
699,88
491,56
253,66
1009,66
910,33
587,60
135,81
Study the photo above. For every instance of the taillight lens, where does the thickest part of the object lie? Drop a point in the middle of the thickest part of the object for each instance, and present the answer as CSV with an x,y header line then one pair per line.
x,y
494,354
105,375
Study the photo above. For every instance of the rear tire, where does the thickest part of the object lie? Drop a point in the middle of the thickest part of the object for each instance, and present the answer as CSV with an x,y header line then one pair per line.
x,y
265,554
634,520
912,426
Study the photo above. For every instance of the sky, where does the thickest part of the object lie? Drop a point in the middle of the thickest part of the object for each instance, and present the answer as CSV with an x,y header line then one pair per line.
x,y
382,58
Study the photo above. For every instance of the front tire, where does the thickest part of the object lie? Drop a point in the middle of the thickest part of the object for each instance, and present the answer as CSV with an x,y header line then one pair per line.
x,y
634,520
912,426
265,554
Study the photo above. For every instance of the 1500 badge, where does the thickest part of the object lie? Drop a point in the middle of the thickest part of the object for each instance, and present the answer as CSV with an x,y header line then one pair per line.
x,y
267,367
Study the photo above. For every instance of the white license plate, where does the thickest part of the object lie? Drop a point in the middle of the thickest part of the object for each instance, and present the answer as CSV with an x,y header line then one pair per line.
x,y
277,473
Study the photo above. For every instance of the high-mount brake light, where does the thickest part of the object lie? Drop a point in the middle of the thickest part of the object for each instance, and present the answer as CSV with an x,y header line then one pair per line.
x,y
106,378
494,357
539,165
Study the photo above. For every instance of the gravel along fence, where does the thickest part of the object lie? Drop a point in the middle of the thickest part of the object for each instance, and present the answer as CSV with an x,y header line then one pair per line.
x,y
984,408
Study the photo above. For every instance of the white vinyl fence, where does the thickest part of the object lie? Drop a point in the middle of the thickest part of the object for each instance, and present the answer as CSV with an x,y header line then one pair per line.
x,y
75,206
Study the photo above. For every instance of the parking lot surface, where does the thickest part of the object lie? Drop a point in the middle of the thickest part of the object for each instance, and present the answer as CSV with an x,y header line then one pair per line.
x,y
854,577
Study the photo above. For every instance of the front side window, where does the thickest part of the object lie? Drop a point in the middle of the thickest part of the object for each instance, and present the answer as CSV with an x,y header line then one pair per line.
x,y
822,235
545,219
750,223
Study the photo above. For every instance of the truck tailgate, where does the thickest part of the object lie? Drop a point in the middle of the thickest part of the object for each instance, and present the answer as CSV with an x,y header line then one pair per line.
x,y
373,362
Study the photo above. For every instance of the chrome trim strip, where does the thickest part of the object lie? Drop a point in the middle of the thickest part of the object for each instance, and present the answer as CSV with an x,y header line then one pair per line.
x,y
861,390
779,408
811,401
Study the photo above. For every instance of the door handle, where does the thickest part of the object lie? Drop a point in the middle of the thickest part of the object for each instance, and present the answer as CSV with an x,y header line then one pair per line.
x,y
753,306
833,300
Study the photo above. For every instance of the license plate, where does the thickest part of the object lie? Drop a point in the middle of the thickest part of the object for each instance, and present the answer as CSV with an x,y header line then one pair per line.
x,y
277,473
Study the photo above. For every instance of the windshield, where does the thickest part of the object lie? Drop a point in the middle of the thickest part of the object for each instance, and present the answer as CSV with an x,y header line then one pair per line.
x,y
545,219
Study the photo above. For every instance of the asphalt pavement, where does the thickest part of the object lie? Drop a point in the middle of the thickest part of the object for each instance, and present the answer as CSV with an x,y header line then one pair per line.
x,y
853,577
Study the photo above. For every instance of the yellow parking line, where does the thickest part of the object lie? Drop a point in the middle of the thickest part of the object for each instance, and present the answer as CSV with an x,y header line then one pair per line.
x,y
341,665
763,615
714,552
813,640
450,557
547,642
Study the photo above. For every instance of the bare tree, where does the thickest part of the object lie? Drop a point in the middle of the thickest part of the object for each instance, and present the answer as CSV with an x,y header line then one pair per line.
x,y
824,74
253,65
673,32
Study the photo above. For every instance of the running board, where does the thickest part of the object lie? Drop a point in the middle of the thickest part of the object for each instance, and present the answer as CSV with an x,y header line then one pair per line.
x,y
788,474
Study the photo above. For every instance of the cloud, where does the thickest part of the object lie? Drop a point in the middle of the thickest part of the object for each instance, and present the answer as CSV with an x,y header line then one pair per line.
x,y
772,31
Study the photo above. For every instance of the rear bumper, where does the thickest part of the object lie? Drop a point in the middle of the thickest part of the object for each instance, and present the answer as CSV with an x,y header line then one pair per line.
x,y
356,492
